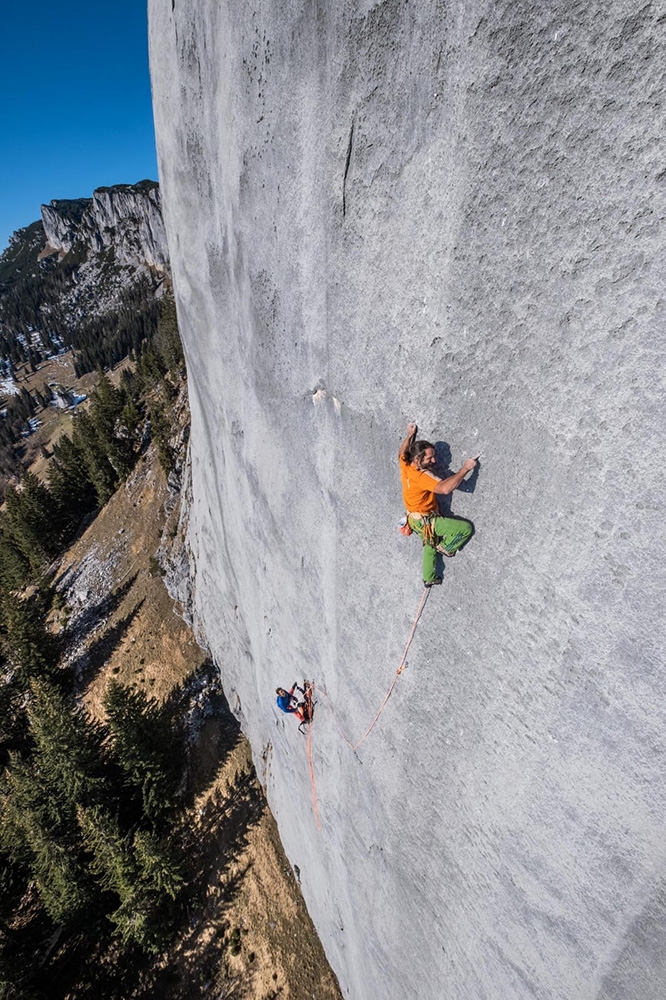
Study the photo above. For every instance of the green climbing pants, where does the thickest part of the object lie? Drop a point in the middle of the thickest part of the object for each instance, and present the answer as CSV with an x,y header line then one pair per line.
x,y
451,534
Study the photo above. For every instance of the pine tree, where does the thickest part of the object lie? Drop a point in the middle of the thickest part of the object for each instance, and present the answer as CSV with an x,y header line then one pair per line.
x,y
160,427
101,473
12,717
28,647
70,486
106,405
131,417
167,339
147,744
40,398
14,566
113,863
37,832
69,770
143,874
32,520
128,382
158,869
150,369
65,888
69,749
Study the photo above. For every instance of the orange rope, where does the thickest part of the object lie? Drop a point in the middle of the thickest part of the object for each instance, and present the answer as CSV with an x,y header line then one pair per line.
x,y
401,667
355,746
315,807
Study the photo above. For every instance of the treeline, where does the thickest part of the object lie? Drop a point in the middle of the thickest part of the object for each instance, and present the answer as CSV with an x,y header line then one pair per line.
x,y
34,307
105,340
85,807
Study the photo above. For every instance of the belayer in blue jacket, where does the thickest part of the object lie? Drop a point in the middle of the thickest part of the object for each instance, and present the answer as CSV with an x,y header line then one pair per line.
x,y
288,701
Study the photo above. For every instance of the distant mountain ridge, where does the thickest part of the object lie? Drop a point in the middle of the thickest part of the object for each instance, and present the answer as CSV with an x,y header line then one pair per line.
x,y
90,276
127,217
87,276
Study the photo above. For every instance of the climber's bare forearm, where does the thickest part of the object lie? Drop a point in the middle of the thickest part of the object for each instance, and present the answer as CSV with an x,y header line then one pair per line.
x,y
409,440
453,482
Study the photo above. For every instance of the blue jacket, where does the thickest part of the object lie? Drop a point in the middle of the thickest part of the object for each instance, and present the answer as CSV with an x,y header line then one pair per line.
x,y
285,702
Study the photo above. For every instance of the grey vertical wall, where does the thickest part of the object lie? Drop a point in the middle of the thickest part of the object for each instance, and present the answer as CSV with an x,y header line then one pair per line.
x,y
454,213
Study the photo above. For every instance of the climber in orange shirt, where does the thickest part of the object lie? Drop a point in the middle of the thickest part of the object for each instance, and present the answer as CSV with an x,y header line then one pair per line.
x,y
420,488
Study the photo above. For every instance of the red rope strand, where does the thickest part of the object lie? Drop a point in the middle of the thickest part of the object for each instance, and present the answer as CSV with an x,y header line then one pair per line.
x,y
355,746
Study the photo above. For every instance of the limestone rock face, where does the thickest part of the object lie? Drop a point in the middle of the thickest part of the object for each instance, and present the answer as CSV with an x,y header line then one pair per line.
x,y
452,213
127,217
62,221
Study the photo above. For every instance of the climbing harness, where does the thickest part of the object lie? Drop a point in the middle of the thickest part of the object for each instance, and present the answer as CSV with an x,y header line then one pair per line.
x,y
429,537
354,746
307,705
427,532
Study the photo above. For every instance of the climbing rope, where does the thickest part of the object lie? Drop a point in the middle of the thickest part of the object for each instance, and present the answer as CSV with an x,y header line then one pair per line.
x,y
401,667
329,705
315,806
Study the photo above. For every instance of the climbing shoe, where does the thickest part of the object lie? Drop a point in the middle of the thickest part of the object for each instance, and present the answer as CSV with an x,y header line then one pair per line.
x,y
432,583
442,551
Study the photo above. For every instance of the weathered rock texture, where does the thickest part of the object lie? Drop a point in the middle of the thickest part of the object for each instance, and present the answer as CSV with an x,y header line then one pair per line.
x,y
455,213
127,217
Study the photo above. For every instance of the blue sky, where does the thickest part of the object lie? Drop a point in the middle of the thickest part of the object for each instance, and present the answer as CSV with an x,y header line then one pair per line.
x,y
75,109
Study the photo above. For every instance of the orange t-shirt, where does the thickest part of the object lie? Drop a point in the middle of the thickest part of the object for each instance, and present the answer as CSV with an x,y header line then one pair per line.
x,y
418,489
